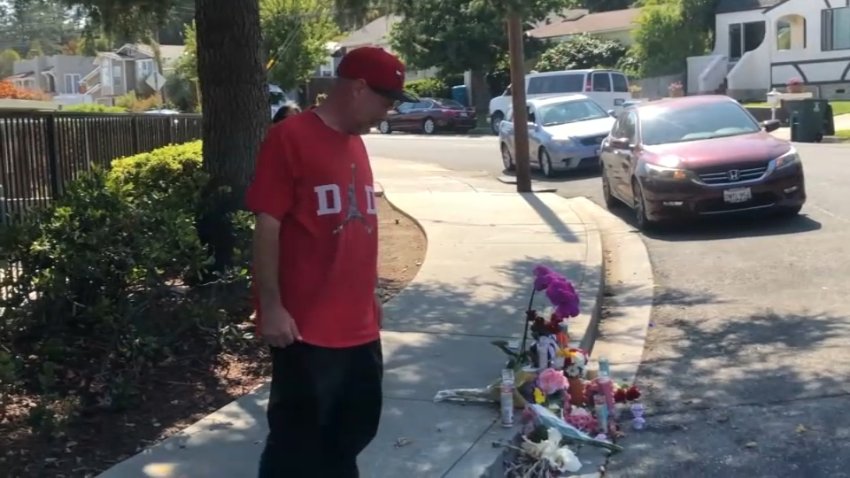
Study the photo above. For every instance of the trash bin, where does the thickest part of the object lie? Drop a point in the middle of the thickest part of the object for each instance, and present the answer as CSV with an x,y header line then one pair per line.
x,y
810,120
459,94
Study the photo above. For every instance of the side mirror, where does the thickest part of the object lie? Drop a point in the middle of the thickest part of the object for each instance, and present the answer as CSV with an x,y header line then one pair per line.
x,y
612,113
771,125
620,143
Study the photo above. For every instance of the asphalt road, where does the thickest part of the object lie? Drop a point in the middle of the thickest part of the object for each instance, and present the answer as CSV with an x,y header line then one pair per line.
x,y
745,371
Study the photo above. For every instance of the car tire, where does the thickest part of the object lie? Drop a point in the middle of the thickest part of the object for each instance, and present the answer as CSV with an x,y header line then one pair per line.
x,y
546,163
429,127
384,127
610,201
495,121
642,221
507,158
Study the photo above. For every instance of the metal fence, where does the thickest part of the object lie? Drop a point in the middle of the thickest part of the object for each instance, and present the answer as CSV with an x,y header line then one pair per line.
x,y
41,152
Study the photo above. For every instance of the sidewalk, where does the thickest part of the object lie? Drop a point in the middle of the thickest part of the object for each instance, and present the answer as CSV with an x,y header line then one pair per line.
x,y
842,123
483,241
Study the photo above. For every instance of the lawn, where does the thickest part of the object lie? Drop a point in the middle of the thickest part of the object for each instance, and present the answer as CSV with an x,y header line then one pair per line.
x,y
843,134
841,107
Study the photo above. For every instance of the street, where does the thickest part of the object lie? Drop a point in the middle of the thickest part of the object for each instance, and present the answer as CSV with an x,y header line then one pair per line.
x,y
743,366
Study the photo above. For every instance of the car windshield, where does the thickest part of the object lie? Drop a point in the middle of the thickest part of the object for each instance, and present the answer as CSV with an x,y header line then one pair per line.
x,y
450,104
569,112
660,125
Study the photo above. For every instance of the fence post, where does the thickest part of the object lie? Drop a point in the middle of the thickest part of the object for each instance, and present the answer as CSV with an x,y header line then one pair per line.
x,y
134,126
3,219
52,157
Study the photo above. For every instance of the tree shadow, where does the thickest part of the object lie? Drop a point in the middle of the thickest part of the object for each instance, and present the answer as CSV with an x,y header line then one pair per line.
x,y
578,174
741,386
716,228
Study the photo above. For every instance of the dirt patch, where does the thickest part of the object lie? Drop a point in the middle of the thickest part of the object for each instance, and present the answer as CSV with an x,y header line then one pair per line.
x,y
178,394
401,249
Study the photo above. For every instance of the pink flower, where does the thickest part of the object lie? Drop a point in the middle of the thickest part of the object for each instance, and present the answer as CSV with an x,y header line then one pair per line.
x,y
563,296
551,381
543,276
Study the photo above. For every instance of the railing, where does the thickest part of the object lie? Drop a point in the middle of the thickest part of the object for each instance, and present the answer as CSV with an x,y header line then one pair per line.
x,y
41,152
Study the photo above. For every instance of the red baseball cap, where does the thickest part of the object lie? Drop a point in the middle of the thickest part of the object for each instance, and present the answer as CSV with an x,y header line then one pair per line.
x,y
382,71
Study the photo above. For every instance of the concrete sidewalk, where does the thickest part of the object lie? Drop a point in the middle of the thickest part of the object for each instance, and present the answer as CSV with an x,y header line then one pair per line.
x,y
483,241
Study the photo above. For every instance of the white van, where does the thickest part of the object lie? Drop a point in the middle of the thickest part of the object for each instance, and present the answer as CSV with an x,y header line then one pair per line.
x,y
609,88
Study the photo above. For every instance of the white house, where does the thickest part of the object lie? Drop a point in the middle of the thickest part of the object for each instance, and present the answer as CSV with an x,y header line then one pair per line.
x,y
618,25
762,44
130,68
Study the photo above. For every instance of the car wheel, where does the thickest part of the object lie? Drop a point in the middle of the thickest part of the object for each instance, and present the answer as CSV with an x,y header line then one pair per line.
x,y
507,159
643,222
546,163
428,126
384,127
610,201
496,121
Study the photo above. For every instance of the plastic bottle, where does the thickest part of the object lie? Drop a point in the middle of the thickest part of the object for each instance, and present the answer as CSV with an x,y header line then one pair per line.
x,y
506,398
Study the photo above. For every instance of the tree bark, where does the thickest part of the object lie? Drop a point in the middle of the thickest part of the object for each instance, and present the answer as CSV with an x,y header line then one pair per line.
x,y
480,92
235,106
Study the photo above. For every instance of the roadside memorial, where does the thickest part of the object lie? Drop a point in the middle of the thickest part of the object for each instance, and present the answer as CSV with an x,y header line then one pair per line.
x,y
560,404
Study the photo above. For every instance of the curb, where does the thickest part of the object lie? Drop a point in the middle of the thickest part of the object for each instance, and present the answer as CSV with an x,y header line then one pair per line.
x,y
594,285
512,180
629,288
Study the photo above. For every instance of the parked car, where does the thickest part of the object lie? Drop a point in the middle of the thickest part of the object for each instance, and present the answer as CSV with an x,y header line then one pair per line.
x,y
698,156
564,132
429,116
609,88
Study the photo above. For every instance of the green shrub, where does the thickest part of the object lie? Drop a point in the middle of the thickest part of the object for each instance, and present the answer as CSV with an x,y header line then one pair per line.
x,y
105,295
429,87
93,108
580,52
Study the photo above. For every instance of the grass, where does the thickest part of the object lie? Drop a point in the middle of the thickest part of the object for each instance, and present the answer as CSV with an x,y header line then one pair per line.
x,y
838,107
843,134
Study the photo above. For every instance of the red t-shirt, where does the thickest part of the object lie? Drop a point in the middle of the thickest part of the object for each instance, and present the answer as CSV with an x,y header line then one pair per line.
x,y
318,183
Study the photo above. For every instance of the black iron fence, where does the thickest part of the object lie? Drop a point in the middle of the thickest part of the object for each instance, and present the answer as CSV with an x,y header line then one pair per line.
x,y
41,152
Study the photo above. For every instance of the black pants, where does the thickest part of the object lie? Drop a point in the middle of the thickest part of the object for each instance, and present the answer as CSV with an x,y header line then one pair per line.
x,y
324,409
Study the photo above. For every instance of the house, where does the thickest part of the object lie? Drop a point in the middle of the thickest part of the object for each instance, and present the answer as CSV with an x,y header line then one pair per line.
x,y
762,44
56,74
377,33
615,25
131,68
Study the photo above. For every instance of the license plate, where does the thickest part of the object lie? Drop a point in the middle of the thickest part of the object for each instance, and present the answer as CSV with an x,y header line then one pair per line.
x,y
737,195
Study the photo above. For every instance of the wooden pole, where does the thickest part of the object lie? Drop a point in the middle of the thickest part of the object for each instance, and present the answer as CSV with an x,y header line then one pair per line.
x,y
520,111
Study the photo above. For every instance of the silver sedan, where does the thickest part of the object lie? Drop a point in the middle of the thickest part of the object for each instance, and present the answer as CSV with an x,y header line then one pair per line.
x,y
564,133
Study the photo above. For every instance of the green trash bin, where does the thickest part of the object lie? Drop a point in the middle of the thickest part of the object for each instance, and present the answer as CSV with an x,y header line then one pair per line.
x,y
811,119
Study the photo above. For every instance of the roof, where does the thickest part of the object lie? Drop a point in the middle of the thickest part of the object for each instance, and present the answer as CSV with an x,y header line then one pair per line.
x,y
732,6
375,32
615,20
552,99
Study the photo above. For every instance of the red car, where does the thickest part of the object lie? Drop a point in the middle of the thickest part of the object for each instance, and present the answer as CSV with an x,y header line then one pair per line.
x,y
698,156
429,116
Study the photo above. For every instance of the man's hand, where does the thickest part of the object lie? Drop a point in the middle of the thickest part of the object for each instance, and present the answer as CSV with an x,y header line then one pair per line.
x,y
278,327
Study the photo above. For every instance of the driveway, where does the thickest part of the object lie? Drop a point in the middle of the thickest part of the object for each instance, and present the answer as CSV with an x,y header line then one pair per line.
x,y
744,369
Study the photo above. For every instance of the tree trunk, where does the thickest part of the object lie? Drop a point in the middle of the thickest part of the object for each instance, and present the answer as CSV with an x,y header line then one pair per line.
x,y
480,92
235,106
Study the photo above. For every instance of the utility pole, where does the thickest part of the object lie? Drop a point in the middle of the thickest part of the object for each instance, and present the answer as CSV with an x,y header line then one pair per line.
x,y
520,109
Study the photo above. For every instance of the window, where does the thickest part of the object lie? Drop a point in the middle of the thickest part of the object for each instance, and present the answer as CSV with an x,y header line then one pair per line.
x,y
835,29
602,82
327,68
72,83
661,125
570,112
744,37
405,107
567,83
621,84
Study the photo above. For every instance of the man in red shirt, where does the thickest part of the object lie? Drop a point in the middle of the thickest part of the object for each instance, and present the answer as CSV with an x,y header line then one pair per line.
x,y
315,273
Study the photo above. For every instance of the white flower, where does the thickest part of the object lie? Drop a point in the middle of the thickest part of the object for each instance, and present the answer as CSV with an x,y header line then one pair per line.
x,y
559,457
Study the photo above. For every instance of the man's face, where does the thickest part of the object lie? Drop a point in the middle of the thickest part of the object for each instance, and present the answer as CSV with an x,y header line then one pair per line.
x,y
368,107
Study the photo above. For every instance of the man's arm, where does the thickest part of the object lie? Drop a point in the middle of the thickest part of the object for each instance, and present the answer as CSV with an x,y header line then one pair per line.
x,y
266,252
